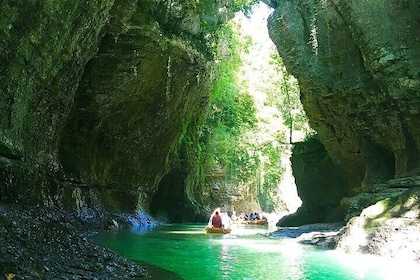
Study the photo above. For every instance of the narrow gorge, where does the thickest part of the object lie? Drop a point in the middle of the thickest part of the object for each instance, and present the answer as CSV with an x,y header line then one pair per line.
x,y
103,104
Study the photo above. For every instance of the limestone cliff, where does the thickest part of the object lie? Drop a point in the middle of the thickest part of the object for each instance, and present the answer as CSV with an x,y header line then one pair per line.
x,y
320,185
358,66
94,99
136,97
97,95
44,49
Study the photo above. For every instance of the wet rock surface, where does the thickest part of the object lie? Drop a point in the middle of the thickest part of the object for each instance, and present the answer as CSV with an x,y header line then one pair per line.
x,y
390,227
46,243
320,234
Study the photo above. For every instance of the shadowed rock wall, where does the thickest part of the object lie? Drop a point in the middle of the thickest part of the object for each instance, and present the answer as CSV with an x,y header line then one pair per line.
x,y
43,50
358,66
321,185
95,96
136,97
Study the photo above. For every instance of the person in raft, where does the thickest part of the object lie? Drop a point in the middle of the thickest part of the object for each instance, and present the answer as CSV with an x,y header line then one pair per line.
x,y
216,221
212,215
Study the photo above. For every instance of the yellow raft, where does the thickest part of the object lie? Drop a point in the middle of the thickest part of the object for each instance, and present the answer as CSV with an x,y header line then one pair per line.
x,y
258,222
218,230
251,222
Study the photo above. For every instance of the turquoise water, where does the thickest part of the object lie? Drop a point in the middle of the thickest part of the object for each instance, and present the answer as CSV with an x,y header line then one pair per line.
x,y
179,251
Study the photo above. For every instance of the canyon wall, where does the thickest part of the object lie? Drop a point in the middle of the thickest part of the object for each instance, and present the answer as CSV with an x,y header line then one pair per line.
x,y
96,97
358,66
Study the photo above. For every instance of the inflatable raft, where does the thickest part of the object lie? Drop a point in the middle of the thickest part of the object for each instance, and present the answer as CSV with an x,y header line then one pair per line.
x,y
251,222
218,230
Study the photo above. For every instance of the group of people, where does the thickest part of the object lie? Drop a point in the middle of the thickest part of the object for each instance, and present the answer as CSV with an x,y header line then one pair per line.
x,y
221,219
248,216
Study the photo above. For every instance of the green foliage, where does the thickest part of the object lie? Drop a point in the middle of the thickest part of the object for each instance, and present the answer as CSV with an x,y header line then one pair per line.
x,y
232,112
287,98
272,175
242,5
219,143
228,145
224,10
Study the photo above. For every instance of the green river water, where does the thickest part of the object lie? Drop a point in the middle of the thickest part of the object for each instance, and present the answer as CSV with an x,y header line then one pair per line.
x,y
182,251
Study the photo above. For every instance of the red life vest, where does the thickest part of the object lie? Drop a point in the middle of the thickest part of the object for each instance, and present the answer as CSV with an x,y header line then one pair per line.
x,y
216,221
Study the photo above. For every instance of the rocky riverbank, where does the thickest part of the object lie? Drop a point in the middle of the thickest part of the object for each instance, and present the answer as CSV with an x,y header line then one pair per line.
x,y
388,226
320,234
46,243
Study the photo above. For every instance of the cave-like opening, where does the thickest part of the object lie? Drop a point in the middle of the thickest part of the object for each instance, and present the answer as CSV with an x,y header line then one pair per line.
x,y
245,141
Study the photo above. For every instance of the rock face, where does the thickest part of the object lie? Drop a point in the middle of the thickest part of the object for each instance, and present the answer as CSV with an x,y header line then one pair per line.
x,y
136,96
95,96
358,69
94,99
321,187
44,49
390,228
357,63
98,95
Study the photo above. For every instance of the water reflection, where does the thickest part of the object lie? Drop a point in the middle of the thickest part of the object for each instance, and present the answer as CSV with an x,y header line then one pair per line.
x,y
387,268
227,260
189,252
250,256
293,258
